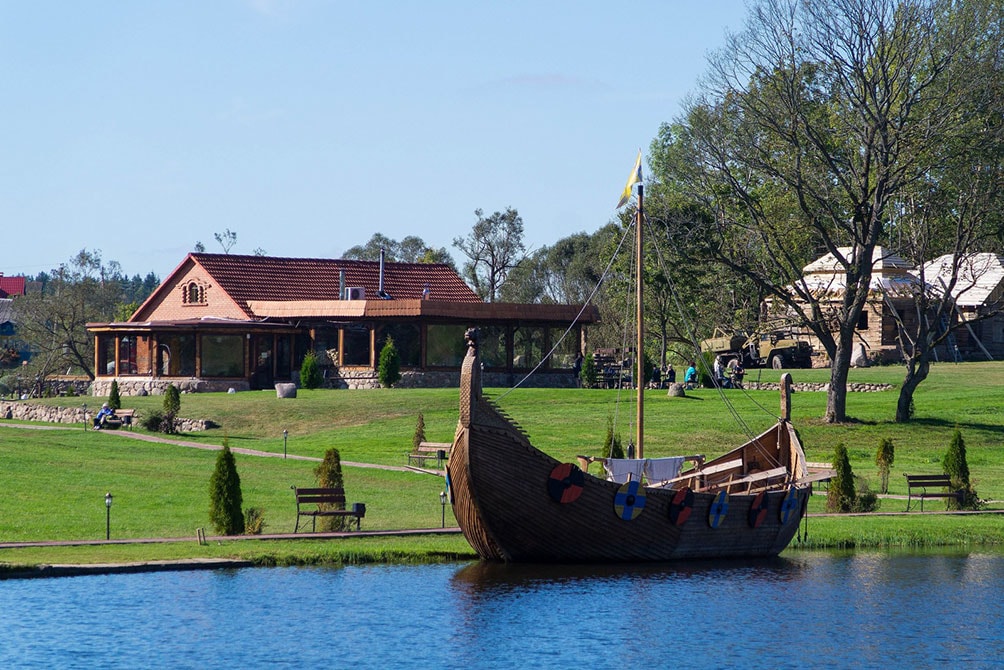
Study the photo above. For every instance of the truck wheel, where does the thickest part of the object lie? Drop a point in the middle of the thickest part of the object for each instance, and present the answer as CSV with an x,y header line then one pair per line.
x,y
776,362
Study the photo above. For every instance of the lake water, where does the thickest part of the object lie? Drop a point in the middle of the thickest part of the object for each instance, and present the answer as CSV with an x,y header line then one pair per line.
x,y
862,610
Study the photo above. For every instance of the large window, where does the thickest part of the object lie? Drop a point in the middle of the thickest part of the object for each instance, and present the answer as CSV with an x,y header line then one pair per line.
x,y
564,354
106,355
446,346
356,341
176,356
492,347
528,347
407,341
222,355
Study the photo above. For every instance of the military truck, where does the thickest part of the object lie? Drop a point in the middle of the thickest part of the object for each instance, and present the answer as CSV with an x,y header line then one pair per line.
x,y
777,349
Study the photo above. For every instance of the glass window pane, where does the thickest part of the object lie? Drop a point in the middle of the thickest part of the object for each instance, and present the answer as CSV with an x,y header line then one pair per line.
x,y
222,355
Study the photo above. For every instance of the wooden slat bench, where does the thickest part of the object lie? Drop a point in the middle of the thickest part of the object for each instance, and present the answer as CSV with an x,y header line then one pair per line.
x,y
122,418
438,451
325,496
924,482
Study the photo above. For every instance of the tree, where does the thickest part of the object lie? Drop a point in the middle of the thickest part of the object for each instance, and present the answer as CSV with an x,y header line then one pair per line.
x,y
494,247
411,249
588,373
956,466
813,122
840,495
329,475
225,499
172,405
419,436
884,458
612,443
310,372
389,369
226,239
114,400
52,318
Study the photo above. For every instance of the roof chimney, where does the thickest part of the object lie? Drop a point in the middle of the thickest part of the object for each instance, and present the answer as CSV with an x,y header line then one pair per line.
x,y
380,291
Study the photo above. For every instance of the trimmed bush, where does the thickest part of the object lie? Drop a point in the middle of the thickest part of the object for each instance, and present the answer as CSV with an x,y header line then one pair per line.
x,y
172,405
114,400
225,498
840,496
329,475
254,520
884,458
389,370
612,444
588,373
419,437
310,372
957,468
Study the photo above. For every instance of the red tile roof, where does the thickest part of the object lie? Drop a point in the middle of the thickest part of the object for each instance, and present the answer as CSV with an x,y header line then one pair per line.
x,y
249,278
11,286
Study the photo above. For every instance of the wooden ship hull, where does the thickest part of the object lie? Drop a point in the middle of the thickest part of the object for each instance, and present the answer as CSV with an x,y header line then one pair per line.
x,y
516,504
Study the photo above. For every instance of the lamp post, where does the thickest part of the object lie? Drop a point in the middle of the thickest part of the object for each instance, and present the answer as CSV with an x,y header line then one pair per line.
x,y
108,516
84,407
285,434
442,503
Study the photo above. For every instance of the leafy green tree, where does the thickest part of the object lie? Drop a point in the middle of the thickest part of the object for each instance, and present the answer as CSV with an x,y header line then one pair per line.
x,y
310,372
494,247
389,371
225,499
172,405
813,123
840,496
411,249
884,458
956,466
329,475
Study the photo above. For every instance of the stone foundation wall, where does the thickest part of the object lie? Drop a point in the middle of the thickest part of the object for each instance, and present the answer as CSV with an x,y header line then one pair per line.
x,y
156,386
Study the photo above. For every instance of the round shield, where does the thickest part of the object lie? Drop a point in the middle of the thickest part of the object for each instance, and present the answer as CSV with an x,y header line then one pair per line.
x,y
681,506
565,483
790,505
758,510
718,509
629,501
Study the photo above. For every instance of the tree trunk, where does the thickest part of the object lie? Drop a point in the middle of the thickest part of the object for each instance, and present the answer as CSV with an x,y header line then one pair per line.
x,y
917,369
836,395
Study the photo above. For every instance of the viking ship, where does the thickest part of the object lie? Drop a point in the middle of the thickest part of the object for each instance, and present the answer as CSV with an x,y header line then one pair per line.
x,y
515,503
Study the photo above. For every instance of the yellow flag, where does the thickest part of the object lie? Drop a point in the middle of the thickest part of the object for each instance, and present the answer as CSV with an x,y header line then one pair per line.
x,y
632,180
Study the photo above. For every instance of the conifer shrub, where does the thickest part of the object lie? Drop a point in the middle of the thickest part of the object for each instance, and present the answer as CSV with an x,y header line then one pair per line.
x,y
956,467
612,444
840,496
588,373
310,372
389,371
419,437
884,458
329,475
172,405
225,498
114,400
152,421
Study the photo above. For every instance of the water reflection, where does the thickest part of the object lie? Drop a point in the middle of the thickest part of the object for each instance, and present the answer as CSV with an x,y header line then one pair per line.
x,y
864,609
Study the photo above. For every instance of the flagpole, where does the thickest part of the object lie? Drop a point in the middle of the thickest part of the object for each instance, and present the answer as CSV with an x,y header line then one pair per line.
x,y
639,315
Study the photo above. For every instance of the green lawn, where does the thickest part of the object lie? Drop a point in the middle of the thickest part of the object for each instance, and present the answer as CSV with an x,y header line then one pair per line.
x,y
54,481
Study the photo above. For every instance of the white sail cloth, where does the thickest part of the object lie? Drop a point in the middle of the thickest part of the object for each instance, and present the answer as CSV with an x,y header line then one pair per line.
x,y
621,470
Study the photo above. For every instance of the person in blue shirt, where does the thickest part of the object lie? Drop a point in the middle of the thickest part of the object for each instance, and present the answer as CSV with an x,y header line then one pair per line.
x,y
690,378
102,416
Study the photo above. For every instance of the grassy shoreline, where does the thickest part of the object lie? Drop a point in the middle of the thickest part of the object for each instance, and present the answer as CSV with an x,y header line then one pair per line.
x,y
55,480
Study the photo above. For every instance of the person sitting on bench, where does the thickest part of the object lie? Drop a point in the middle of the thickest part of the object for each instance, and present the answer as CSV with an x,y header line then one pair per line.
x,y
102,416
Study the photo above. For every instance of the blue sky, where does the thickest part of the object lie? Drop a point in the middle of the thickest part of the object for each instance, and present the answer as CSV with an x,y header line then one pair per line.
x,y
139,128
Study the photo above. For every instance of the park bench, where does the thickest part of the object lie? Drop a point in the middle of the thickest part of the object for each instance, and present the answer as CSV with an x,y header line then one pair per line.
x,y
122,418
438,451
314,498
923,483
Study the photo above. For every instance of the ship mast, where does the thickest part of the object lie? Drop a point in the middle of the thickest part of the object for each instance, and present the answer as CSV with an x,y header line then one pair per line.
x,y
640,327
